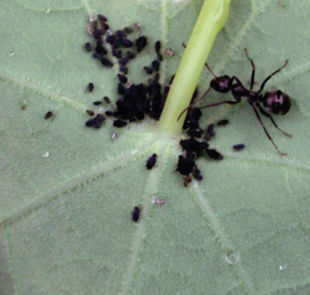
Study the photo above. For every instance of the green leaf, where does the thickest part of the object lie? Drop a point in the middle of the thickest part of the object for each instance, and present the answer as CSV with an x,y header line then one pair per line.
x,y
67,192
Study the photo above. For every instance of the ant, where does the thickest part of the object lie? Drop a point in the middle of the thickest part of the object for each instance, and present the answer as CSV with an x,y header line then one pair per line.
x,y
274,101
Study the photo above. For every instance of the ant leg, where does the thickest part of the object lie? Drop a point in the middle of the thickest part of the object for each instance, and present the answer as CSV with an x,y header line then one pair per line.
x,y
193,103
266,132
230,102
253,68
271,75
273,121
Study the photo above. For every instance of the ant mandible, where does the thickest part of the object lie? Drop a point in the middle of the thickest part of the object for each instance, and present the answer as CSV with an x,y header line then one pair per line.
x,y
274,101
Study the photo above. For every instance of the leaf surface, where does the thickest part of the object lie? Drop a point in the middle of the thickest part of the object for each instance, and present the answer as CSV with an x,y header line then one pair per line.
x,y
67,192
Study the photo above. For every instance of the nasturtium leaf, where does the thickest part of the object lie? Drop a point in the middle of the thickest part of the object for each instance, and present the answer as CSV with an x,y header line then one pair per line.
x,y
67,191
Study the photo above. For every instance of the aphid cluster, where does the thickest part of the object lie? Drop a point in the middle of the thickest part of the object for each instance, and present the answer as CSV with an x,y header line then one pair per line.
x,y
195,146
274,101
135,100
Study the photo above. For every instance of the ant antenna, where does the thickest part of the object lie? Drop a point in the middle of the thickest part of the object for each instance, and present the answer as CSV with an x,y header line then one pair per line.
x,y
271,75
206,64
253,68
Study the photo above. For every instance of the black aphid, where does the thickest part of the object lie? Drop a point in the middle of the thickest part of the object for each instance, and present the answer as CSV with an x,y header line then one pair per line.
x,y
195,132
126,42
48,115
157,46
185,165
210,132
128,30
90,123
107,99
148,70
95,122
141,42
151,161
102,18
192,119
238,147
274,101
119,123
123,61
135,214
117,53
214,154
155,65
90,87
90,113
120,88
159,57
187,180
87,46
110,39
111,113
197,174
130,55
120,34
106,62
97,102
122,78
193,145
123,69
100,49
222,122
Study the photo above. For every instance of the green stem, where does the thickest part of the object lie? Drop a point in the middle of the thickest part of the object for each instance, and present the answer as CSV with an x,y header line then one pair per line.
x,y
211,19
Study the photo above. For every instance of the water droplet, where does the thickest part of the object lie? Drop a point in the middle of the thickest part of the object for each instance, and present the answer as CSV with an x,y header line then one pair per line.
x,y
282,267
47,11
46,154
12,53
159,201
231,257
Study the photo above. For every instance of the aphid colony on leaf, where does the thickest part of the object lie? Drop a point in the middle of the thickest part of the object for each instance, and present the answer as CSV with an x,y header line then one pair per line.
x,y
138,100
135,100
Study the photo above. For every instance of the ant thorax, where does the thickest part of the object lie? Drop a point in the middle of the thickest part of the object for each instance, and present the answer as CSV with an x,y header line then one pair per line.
x,y
253,97
238,90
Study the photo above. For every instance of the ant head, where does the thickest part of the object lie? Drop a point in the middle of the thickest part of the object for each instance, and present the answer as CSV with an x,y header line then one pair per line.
x,y
221,84
277,102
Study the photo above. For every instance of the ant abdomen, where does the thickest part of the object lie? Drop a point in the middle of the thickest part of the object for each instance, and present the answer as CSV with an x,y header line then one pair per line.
x,y
277,102
221,84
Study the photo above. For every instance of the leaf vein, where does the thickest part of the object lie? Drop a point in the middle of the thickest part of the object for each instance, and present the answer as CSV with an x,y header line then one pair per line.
x,y
225,243
90,175
26,83
150,190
